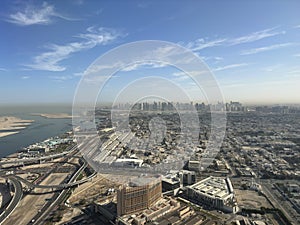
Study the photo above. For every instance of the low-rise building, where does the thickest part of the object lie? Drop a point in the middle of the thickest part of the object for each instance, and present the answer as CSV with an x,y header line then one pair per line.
x,y
193,165
187,177
128,162
160,208
170,183
215,192
176,179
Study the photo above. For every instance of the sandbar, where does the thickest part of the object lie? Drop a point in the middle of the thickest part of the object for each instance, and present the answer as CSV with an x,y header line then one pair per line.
x,y
3,134
9,125
53,116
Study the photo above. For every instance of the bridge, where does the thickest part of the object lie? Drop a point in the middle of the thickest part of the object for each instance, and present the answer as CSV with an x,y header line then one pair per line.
x,y
35,159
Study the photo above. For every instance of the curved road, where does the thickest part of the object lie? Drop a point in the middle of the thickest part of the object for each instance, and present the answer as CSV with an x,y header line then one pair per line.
x,y
15,200
58,186
39,218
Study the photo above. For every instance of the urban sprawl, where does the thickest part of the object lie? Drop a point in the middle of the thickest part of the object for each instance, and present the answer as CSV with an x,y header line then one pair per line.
x,y
145,166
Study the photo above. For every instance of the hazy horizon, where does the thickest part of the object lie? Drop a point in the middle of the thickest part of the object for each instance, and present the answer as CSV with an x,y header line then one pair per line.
x,y
66,104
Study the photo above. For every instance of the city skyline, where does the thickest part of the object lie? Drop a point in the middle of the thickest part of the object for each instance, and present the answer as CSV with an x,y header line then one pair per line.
x,y
252,49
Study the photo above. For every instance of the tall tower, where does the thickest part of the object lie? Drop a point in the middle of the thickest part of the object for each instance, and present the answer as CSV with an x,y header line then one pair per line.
x,y
135,197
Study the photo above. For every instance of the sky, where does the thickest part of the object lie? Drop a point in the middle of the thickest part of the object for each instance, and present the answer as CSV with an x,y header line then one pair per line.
x,y
252,48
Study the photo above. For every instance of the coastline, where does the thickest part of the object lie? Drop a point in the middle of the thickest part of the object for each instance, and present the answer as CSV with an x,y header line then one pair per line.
x,y
4,134
34,128
9,125
53,116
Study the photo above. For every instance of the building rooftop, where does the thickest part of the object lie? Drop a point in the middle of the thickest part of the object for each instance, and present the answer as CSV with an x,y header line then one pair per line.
x,y
143,180
214,187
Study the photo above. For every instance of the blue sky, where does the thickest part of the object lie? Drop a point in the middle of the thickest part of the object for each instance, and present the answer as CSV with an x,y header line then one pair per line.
x,y
252,47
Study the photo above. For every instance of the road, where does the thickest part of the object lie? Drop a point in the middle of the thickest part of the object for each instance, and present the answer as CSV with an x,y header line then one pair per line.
x,y
40,218
58,186
18,161
57,198
15,200
267,192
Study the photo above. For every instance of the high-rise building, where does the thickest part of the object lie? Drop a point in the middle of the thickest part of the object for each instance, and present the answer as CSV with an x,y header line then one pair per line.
x,y
135,197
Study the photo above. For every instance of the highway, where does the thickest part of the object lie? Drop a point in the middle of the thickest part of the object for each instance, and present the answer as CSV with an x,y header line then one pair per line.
x,y
40,217
58,196
57,186
15,200
33,159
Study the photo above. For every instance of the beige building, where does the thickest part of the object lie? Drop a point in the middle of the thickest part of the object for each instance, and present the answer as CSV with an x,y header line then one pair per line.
x,y
163,206
216,192
135,197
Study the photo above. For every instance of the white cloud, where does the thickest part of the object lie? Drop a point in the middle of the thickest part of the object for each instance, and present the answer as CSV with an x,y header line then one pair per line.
x,y
25,77
272,68
218,58
50,60
201,43
297,55
266,48
182,78
190,73
60,78
3,69
35,15
152,58
78,74
255,36
231,66
138,65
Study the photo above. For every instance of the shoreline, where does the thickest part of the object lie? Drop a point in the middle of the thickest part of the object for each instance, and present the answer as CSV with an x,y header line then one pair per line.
x,y
14,155
53,116
9,125
5,134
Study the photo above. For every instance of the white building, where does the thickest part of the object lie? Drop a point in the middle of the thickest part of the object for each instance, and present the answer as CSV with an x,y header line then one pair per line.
x,y
128,162
215,192
187,177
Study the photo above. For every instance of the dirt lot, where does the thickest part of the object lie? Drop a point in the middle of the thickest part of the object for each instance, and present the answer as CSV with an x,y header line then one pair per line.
x,y
251,199
30,204
91,190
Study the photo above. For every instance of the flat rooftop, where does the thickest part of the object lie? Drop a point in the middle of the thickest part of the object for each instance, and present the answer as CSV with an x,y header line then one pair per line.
x,y
214,187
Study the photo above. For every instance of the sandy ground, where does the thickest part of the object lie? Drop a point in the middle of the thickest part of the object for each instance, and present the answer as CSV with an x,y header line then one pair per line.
x,y
30,204
9,125
36,166
70,213
92,189
53,116
251,199
3,134
85,190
